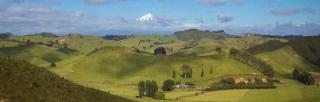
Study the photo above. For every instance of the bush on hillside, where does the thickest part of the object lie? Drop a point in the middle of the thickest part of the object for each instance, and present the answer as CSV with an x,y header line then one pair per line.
x,y
52,64
233,52
168,85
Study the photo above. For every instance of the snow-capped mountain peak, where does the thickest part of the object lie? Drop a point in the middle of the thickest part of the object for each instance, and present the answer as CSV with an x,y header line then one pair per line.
x,y
147,18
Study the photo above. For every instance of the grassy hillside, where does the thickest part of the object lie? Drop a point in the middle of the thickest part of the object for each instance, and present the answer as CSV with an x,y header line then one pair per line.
x,y
308,48
85,44
36,38
285,59
8,43
24,82
110,67
37,54
78,42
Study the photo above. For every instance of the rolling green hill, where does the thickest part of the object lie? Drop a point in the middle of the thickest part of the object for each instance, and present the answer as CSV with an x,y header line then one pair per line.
x,y
8,43
85,44
117,66
109,67
24,82
37,54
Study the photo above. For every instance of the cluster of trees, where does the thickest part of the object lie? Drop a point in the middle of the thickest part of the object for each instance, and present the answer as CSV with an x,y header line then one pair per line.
x,y
187,72
249,59
303,77
56,44
229,83
149,88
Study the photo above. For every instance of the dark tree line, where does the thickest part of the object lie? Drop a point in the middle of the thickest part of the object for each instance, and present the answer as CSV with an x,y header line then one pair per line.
x,y
251,60
229,83
303,77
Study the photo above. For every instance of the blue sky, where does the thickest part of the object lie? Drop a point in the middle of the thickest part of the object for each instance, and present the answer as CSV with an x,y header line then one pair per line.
x,y
102,17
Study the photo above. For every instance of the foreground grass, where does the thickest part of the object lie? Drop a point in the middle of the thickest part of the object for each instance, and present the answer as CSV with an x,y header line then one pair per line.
x,y
24,82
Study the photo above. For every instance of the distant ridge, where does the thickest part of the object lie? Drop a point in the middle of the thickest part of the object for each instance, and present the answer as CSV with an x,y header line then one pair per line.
x,y
195,34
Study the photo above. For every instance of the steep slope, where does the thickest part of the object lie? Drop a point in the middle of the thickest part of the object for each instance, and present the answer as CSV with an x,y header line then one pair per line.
x,y
24,82
37,54
285,59
301,53
308,48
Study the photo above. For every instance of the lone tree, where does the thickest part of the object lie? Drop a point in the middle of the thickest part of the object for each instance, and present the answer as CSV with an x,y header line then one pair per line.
x,y
160,51
233,52
168,85
186,71
218,49
295,74
202,72
211,70
174,74
52,64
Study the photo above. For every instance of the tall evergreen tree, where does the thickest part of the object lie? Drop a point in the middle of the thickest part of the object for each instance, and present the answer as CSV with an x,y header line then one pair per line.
x,y
174,74
154,88
211,70
142,88
148,88
202,72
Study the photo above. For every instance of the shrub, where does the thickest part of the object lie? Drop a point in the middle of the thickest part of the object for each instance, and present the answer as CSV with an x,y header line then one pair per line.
x,y
52,64
233,52
295,73
218,49
227,80
168,85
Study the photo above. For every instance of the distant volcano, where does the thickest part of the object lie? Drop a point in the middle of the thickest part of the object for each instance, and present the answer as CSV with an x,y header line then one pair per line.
x,y
147,18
